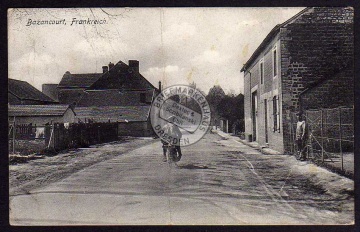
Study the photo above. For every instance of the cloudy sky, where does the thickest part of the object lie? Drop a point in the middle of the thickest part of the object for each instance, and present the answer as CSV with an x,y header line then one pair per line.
x,y
207,46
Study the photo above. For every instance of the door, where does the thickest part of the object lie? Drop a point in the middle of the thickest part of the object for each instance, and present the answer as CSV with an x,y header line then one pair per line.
x,y
266,121
254,114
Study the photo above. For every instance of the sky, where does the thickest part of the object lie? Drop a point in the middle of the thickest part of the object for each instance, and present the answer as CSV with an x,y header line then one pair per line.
x,y
207,46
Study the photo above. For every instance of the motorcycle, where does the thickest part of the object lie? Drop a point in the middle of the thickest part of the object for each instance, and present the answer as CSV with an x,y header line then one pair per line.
x,y
171,154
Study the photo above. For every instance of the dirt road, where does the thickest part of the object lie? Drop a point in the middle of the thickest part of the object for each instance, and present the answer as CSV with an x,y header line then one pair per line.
x,y
218,182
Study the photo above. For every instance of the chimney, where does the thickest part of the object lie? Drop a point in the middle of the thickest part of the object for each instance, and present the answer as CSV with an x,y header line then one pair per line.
x,y
134,65
105,69
111,65
160,86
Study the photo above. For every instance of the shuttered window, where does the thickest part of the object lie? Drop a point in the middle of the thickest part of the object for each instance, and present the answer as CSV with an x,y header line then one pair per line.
x,y
276,114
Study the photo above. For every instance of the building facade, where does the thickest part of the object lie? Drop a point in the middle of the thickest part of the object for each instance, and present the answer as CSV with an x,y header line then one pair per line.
x,y
304,63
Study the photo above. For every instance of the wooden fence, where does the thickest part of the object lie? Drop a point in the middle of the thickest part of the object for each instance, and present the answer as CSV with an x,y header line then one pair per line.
x,y
23,131
25,138
59,137
330,136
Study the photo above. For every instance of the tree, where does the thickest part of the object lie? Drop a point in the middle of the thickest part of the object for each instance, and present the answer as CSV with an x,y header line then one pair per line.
x,y
231,108
190,102
215,95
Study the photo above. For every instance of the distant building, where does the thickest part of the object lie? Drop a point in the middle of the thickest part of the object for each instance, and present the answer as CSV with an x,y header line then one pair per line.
x,y
41,114
22,93
72,86
304,63
118,94
119,85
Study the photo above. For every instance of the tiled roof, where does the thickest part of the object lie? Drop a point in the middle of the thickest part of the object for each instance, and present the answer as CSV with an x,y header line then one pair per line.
x,y
100,98
37,110
110,97
13,100
25,91
113,113
79,80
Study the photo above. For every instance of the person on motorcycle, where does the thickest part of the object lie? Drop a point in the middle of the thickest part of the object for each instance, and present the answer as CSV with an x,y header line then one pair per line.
x,y
171,131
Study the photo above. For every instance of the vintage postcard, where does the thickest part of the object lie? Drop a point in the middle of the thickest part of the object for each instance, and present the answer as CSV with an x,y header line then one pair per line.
x,y
181,116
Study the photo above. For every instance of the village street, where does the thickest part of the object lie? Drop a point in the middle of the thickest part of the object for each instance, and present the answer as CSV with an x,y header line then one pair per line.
x,y
219,181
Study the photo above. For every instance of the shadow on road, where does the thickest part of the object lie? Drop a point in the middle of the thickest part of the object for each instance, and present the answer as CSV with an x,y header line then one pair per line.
x,y
193,166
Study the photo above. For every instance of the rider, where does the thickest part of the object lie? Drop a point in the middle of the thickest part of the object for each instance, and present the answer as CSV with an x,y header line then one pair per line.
x,y
171,130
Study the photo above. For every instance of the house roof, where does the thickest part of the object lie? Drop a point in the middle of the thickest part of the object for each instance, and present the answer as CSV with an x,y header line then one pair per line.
x,y
148,82
113,113
269,37
122,77
37,110
25,91
79,80
110,97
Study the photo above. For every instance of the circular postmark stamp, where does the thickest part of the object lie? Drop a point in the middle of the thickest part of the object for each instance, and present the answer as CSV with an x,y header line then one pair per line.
x,y
180,115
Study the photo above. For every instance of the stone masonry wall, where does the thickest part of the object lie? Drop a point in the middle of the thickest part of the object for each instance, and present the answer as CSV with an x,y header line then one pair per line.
x,y
318,45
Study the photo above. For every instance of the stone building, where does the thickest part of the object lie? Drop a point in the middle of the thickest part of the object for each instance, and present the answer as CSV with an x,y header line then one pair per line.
x,y
303,63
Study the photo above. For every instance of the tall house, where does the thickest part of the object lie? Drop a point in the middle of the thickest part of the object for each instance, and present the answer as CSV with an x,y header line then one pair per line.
x,y
303,63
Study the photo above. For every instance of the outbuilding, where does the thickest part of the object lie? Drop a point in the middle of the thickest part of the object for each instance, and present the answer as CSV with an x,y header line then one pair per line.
x,y
41,114
132,120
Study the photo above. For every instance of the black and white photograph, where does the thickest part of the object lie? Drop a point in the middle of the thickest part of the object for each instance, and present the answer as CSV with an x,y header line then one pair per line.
x,y
174,116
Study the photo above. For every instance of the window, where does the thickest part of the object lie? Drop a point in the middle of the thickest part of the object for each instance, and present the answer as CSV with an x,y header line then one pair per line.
x,y
274,62
261,72
276,114
266,120
143,97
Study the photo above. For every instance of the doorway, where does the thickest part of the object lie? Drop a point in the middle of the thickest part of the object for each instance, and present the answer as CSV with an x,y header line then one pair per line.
x,y
266,121
254,104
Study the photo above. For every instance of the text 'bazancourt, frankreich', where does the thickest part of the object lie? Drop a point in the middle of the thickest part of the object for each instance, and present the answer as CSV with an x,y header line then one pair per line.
x,y
73,22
